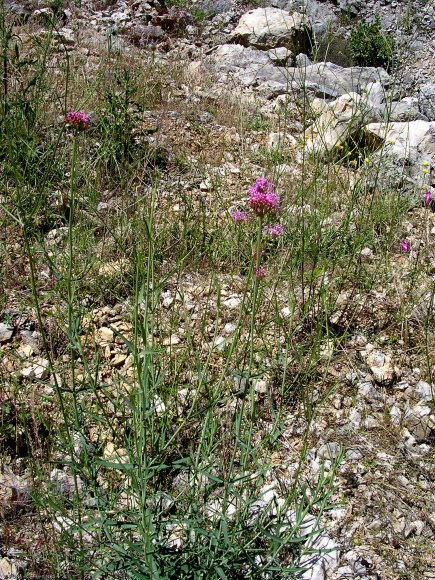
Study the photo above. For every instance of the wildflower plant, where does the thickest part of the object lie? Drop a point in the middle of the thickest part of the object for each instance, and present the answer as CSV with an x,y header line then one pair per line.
x,y
164,481
262,206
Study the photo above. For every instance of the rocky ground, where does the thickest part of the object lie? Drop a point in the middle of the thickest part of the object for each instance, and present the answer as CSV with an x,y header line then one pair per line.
x,y
379,415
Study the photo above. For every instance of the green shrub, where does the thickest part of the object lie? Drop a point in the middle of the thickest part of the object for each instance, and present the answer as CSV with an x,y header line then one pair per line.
x,y
370,46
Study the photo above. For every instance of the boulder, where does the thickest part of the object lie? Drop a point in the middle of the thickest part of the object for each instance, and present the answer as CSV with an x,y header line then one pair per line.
x,y
326,79
252,67
407,138
374,93
344,116
320,15
405,110
403,149
246,65
266,28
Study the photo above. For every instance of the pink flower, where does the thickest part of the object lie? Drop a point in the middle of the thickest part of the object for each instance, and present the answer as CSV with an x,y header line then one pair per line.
x,y
274,231
239,216
405,246
263,198
260,272
78,120
428,197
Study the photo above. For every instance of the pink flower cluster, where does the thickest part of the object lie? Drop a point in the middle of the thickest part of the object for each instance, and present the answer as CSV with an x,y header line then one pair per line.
x,y
428,197
263,198
78,120
275,231
260,272
405,246
239,216
263,201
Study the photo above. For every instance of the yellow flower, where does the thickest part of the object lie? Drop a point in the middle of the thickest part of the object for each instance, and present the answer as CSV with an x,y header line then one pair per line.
x,y
425,163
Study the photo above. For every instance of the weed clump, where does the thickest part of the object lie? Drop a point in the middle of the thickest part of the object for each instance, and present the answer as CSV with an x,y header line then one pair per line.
x,y
370,46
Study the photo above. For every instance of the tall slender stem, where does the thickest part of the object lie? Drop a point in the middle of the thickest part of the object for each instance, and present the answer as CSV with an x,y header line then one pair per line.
x,y
70,277
72,331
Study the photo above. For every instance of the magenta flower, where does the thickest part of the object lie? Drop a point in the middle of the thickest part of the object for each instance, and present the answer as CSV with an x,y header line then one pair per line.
x,y
239,216
428,197
405,246
78,120
263,198
274,231
260,272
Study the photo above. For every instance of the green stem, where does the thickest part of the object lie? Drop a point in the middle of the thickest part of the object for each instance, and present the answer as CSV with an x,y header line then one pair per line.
x,y
72,334
70,286
258,253
245,449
